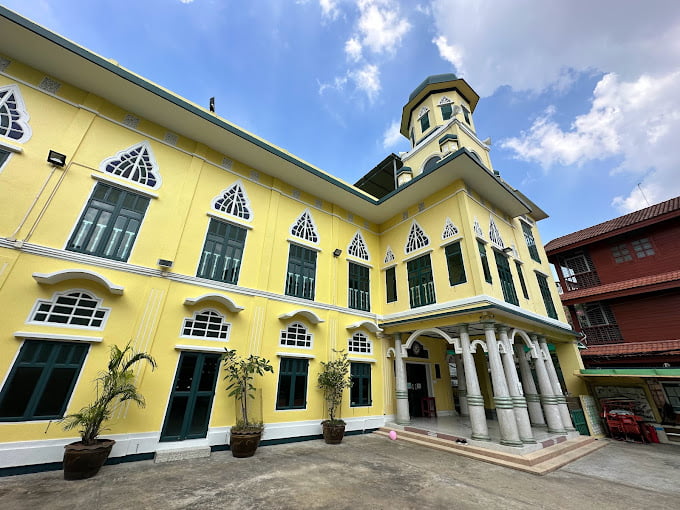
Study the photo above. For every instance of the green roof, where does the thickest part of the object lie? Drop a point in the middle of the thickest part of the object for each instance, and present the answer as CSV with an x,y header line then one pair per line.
x,y
639,372
435,78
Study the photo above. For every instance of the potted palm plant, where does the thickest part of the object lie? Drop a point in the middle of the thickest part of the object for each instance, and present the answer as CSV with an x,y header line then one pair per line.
x,y
240,373
333,379
115,385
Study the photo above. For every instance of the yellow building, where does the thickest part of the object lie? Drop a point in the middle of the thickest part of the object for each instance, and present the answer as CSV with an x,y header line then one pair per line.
x,y
128,213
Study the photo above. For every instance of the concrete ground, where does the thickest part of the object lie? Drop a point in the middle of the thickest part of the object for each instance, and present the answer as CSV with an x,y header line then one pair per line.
x,y
363,472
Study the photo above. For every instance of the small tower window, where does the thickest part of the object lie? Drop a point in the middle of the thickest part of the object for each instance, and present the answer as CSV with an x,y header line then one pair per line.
x,y
425,122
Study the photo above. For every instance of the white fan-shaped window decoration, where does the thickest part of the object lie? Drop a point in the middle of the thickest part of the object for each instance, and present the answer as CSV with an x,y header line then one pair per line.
x,y
416,238
495,235
389,255
445,100
207,324
357,248
234,201
478,230
136,163
360,344
423,111
450,229
304,228
74,308
13,114
296,335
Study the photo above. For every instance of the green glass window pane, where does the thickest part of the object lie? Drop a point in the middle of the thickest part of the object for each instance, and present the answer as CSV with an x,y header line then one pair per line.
x,y
57,389
18,391
222,252
425,122
454,261
391,284
447,111
485,261
301,274
505,275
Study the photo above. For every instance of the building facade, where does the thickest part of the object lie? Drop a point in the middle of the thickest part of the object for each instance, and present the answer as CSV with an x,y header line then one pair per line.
x,y
154,221
621,284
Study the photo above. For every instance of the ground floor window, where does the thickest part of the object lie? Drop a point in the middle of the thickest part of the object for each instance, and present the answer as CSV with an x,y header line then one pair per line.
x,y
41,381
292,392
361,384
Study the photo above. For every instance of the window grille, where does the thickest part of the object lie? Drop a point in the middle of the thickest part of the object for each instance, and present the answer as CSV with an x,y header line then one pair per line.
x,y
304,228
478,230
357,248
450,230
360,344
417,238
136,164
389,255
495,235
207,324
234,201
643,248
13,115
76,308
296,335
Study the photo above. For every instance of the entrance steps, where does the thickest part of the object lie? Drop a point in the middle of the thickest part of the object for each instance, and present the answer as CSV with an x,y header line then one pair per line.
x,y
173,454
553,455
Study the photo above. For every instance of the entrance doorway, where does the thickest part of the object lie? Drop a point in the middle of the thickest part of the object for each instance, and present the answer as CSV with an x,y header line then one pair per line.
x,y
416,381
188,412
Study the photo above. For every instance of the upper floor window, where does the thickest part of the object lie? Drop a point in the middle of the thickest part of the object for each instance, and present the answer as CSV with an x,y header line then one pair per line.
x,y
505,275
577,270
466,114
450,230
360,344
4,156
391,284
547,296
222,252
420,282
598,322
531,242
109,225
621,253
206,324
13,115
446,107
357,247
389,255
136,164
454,261
304,228
430,164
495,235
522,282
301,275
485,261
424,118
72,308
643,248
296,335
416,238
359,287
234,201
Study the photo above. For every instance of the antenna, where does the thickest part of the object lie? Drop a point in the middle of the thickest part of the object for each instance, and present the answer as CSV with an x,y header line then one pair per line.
x,y
643,194
212,104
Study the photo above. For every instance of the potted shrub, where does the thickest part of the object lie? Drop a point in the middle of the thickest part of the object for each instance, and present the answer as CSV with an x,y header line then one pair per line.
x,y
115,385
333,379
240,373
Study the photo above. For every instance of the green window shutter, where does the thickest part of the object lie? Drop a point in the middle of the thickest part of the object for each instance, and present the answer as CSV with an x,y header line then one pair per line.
x,y
359,287
531,243
454,261
222,253
108,227
547,297
425,122
485,261
391,284
4,155
466,114
522,283
292,391
41,380
447,111
360,394
301,275
505,275
420,282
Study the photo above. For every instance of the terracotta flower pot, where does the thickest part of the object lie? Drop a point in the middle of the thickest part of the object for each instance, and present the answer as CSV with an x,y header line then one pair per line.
x,y
84,461
333,432
244,443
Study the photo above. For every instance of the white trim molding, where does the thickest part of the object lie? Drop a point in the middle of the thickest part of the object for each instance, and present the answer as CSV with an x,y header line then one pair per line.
x,y
199,348
36,335
78,274
359,360
307,314
302,355
370,326
217,298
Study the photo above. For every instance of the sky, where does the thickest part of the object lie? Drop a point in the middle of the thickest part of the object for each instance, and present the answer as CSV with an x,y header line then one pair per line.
x,y
581,99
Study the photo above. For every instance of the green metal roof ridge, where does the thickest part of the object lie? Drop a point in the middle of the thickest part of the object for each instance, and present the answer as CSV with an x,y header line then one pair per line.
x,y
650,372
430,80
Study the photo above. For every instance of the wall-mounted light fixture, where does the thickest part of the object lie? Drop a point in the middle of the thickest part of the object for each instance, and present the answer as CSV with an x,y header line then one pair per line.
x,y
164,264
507,250
56,159
337,252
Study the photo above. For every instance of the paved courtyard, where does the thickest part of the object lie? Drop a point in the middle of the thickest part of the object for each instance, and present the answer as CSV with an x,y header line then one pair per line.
x,y
363,472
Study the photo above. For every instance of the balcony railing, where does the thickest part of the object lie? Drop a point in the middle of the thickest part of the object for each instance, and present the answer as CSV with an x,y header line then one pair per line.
x,y
422,294
582,281
300,286
359,300
604,334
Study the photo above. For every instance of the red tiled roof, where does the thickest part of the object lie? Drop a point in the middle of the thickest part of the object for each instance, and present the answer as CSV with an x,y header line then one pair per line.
x,y
613,225
630,348
623,285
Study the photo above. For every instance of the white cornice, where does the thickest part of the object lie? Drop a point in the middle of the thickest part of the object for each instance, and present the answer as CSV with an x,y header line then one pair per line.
x,y
36,335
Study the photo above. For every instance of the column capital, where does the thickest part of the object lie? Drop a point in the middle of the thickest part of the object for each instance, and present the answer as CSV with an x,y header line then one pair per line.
x,y
489,324
502,328
463,327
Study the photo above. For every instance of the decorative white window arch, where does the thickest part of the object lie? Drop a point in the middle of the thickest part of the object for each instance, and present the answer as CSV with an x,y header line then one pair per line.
x,y
494,234
416,238
296,334
75,308
360,343
304,227
207,324
136,163
389,255
357,247
444,100
450,230
234,201
13,115
423,111
478,230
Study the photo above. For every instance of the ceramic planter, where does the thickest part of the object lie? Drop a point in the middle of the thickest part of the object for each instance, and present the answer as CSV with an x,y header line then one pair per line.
x,y
84,461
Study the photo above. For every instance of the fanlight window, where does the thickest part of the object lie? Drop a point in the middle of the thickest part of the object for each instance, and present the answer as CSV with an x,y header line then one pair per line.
x,y
207,324
495,235
416,238
74,308
304,228
136,164
389,255
296,335
234,201
450,230
357,248
360,344
13,114
478,230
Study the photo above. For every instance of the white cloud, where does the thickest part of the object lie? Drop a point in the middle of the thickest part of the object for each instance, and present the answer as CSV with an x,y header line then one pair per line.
x,y
329,9
186,1
353,49
338,84
392,136
451,53
380,26
367,79
638,121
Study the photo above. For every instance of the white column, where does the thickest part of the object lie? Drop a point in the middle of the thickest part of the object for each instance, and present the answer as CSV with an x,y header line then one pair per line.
x,y
462,386
401,390
530,392
557,388
519,403
501,394
548,399
475,400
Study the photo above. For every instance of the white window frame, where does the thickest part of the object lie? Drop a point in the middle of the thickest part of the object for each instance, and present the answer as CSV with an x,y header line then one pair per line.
x,y
194,318
366,340
53,302
309,336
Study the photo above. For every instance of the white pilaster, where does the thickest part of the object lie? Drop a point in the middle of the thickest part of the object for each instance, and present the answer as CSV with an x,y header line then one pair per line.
x,y
475,400
557,388
401,390
530,392
548,398
462,386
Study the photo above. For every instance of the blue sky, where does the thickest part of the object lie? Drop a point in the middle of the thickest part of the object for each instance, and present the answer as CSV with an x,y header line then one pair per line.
x,y
580,98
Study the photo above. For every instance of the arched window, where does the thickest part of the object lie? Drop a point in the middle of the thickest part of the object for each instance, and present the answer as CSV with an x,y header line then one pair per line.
x,y
296,335
357,248
234,201
495,235
206,324
136,164
416,238
72,308
450,229
360,344
389,255
430,164
304,228
13,115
